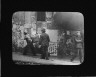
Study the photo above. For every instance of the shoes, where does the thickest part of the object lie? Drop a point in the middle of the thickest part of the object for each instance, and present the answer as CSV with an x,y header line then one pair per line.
x,y
24,54
71,60
42,58
47,58
34,55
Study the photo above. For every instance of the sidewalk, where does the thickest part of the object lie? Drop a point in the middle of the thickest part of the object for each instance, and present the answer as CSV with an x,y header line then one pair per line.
x,y
36,59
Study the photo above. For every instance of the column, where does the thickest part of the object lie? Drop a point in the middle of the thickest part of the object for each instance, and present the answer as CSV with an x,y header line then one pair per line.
x,y
27,17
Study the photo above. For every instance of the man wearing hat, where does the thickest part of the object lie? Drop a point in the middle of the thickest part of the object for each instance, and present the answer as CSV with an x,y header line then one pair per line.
x,y
44,43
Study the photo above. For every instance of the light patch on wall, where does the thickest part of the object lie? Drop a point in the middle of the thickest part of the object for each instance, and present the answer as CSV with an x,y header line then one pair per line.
x,y
53,34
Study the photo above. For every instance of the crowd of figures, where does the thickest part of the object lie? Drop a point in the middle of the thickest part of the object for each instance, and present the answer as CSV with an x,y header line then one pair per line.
x,y
68,44
71,45
34,43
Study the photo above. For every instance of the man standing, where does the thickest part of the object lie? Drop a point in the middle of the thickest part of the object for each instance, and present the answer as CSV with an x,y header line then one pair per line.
x,y
78,47
44,43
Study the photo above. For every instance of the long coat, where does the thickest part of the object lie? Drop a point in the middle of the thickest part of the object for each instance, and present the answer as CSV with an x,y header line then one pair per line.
x,y
44,39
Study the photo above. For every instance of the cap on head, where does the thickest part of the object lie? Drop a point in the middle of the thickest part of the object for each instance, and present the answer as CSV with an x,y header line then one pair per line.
x,y
43,30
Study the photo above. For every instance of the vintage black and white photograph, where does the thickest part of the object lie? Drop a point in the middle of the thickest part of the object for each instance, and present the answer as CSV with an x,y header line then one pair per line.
x,y
47,38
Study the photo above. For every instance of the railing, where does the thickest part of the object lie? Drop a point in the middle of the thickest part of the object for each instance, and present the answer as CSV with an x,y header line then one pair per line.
x,y
52,49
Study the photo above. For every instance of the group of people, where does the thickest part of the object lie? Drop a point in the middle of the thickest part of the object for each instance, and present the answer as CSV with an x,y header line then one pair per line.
x,y
41,43
38,44
75,45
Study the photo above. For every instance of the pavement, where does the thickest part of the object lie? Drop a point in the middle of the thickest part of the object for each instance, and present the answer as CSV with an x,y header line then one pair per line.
x,y
36,60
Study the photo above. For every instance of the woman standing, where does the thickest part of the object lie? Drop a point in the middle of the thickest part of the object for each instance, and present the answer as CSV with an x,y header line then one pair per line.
x,y
27,47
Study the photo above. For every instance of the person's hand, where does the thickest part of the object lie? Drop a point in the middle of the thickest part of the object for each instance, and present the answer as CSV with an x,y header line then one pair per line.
x,y
39,46
34,44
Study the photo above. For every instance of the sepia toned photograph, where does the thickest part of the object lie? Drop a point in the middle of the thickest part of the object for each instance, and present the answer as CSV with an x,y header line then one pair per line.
x,y
47,38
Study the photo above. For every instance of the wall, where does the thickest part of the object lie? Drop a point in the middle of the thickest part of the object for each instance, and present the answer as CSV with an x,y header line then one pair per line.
x,y
53,34
30,18
27,17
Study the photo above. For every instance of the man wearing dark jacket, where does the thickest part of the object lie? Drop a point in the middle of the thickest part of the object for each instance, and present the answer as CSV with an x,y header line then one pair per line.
x,y
44,42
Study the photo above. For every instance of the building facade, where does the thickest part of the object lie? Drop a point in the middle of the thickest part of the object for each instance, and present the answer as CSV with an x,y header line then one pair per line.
x,y
29,21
